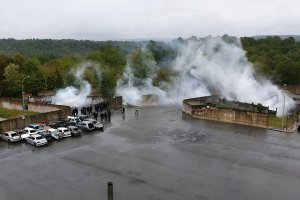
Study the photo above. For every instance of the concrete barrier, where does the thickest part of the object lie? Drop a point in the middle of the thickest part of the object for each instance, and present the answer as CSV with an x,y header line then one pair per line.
x,y
49,112
205,108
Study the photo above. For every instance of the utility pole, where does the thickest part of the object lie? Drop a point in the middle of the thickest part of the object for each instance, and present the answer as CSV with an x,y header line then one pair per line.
x,y
46,89
283,107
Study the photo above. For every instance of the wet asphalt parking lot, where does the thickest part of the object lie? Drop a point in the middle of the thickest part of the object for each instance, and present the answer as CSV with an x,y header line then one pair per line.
x,y
160,155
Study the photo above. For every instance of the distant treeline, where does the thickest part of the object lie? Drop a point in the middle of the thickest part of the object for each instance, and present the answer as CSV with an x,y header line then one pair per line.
x,y
59,48
276,58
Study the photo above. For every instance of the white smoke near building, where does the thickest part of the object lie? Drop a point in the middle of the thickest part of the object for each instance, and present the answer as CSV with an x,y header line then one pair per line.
x,y
208,66
75,96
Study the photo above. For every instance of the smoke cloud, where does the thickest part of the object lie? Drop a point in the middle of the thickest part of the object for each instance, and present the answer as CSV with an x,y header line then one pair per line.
x,y
211,65
72,96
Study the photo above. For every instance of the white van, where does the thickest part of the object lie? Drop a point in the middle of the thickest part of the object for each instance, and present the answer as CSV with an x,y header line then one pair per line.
x,y
73,120
27,132
64,131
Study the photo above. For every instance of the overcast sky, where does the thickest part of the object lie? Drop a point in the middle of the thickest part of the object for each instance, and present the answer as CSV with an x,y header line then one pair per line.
x,y
138,19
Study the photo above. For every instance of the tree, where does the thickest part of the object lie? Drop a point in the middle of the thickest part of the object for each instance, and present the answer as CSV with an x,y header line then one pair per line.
x,y
109,56
142,64
31,65
12,81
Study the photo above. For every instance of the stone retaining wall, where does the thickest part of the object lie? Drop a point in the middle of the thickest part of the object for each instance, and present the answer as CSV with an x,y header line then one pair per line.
x,y
48,113
226,115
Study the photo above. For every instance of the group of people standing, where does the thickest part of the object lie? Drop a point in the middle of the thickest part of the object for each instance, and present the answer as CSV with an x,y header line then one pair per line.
x,y
101,109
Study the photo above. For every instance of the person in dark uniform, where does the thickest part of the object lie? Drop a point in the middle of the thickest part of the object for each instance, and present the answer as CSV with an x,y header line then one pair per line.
x,y
123,112
108,113
105,115
95,115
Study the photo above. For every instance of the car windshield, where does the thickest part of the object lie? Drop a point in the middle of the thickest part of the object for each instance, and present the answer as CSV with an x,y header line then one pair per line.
x,y
39,138
32,131
14,134
75,129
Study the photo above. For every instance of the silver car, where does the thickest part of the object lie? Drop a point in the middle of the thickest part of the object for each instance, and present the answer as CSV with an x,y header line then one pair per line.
x,y
98,125
36,140
64,131
86,126
10,136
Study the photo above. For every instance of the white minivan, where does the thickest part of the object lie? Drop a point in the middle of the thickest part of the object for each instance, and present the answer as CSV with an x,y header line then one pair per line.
x,y
27,132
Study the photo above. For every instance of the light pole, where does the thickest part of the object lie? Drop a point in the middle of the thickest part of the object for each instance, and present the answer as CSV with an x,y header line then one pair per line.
x,y
23,105
283,106
46,88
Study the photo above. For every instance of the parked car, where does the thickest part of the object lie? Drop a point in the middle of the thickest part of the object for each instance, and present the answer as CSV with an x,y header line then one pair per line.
x,y
36,140
62,123
27,132
83,117
57,124
75,131
73,120
54,133
54,125
46,128
64,131
43,126
86,126
19,131
98,125
10,136
45,134
35,126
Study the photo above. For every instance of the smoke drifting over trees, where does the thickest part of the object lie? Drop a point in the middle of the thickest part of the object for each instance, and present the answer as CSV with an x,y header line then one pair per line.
x,y
211,65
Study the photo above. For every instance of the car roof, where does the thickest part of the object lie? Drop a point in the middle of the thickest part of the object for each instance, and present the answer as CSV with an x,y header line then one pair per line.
x,y
72,127
85,121
71,117
35,135
33,125
62,128
10,132
52,129
28,128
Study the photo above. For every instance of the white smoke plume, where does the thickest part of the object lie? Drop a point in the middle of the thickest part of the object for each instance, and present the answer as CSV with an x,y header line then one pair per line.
x,y
72,96
204,67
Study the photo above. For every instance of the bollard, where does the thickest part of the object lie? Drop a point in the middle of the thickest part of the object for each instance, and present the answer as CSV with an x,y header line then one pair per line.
x,y
110,191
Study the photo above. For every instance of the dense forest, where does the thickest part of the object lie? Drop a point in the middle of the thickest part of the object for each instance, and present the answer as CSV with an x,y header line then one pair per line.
x,y
276,58
48,62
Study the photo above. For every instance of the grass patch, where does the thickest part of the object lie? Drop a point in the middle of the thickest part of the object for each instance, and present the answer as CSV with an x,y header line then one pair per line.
x,y
276,122
12,113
